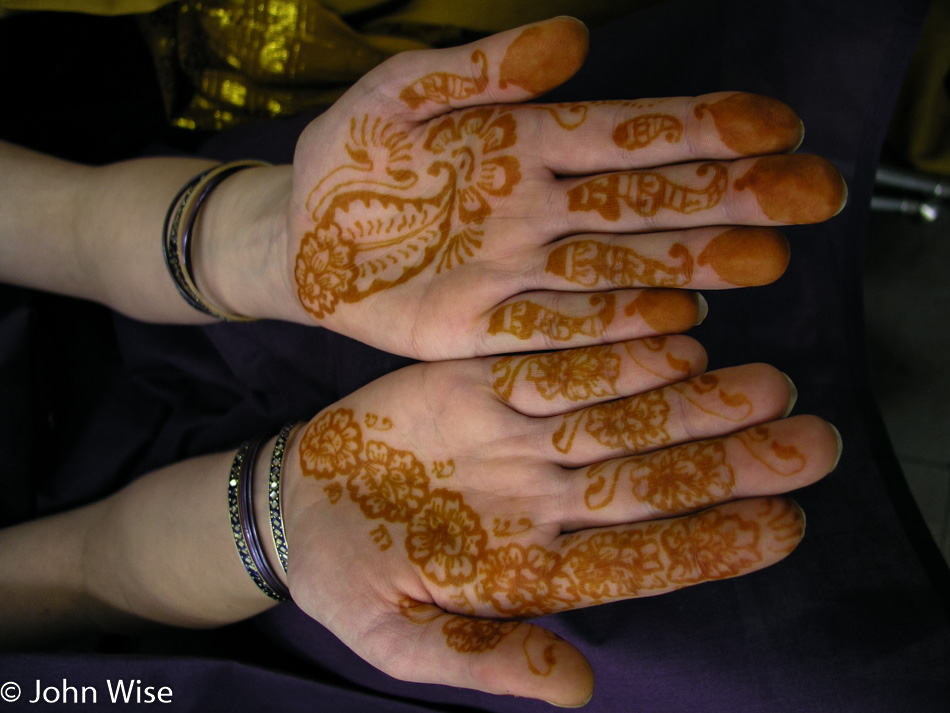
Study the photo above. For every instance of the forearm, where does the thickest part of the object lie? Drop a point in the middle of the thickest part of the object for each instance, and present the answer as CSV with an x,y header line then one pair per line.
x,y
161,550
96,233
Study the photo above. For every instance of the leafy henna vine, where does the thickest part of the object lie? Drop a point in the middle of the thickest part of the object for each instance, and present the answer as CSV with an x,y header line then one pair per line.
x,y
646,192
576,375
379,223
780,458
594,263
670,481
446,540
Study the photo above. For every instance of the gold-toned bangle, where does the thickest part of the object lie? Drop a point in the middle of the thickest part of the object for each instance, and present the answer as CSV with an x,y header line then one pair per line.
x,y
176,244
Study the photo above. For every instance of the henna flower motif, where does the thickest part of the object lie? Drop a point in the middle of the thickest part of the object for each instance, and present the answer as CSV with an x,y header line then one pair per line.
x,y
711,545
610,565
471,636
331,445
469,144
519,581
445,539
389,484
576,375
631,423
325,269
683,478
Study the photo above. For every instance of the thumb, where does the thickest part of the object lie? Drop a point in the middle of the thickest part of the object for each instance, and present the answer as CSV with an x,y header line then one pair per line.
x,y
511,66
495,656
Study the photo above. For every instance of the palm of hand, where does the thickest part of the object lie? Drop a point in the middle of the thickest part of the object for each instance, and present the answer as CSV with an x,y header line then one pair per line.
x,y
530,485
430,221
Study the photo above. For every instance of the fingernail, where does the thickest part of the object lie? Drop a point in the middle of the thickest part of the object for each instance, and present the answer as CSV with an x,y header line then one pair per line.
x,y
802,139
579,705
840,445
703,306
792,394
844,199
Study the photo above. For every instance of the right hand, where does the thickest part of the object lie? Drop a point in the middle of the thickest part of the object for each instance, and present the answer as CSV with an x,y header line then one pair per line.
x,y
431,511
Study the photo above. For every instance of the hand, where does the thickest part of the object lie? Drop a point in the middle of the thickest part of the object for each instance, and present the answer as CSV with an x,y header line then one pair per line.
x,y
433,217
431,510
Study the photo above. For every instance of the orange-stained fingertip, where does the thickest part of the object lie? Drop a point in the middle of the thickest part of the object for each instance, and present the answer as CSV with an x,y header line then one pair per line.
x,y
545,55
748,256
751,124
668,311
795,189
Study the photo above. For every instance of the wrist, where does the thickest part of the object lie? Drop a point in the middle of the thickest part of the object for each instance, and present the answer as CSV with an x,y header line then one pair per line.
x,y
240,247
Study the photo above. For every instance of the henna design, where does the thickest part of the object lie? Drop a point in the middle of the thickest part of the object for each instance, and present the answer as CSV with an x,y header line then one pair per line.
x,y
373,421
787,523
574,375
678,367
334,492
389,484
752,124
777,457
704,393
351,254
523,318
523,581
443,469
576,111
590,262
710,545
471,636
642,130
646,192
670,481
504,528
330,445
382,537
544,662
445,539
443,87
631,424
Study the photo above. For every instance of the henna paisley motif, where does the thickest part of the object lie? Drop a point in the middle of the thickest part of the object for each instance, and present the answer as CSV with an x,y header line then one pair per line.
x,y
646,192
377,224
443,87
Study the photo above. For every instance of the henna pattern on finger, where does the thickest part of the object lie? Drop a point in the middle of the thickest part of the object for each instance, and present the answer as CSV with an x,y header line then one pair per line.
x,y
444,87
574,375
704,393
647,192
786,522
670,481
592,263
468,635
505,528
753,124
710,545
678,368
379,221
643,130
783,459
524,318
631,424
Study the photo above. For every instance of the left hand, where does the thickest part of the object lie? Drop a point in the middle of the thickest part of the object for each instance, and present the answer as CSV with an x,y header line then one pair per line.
x,y
434,216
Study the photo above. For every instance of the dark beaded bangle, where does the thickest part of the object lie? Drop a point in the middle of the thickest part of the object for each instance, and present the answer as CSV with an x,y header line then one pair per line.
x,y
244,526
274,494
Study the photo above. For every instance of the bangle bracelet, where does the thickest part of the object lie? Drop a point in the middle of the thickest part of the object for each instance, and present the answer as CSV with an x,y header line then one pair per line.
x,y
244,526
274,494
176,240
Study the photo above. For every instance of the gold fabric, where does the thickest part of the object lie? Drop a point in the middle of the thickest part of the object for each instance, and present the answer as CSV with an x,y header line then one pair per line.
x,y
256,59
